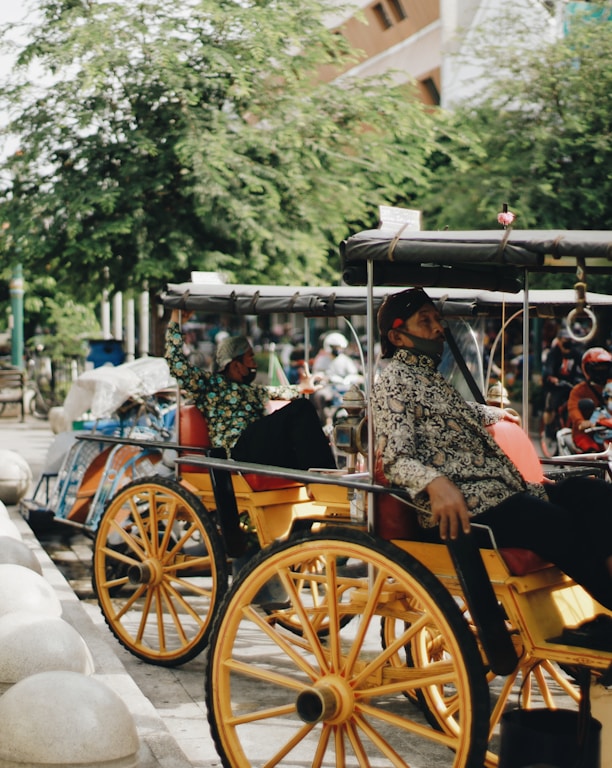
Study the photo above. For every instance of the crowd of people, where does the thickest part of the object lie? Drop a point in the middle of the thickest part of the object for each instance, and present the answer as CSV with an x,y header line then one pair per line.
x,y
577,383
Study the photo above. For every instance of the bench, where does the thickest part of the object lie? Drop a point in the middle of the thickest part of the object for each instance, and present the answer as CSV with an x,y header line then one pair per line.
x,y
12,388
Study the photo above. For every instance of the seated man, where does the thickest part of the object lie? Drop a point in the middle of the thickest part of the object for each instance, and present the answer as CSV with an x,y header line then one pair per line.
x,y
235,408
434,444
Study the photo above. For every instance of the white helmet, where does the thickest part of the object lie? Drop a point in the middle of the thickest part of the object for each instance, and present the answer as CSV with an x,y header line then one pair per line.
x,y
334,340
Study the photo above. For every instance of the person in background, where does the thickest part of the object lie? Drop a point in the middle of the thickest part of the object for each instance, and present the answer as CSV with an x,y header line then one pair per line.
x,y
434,444
586,396
561,371
235,407
339,370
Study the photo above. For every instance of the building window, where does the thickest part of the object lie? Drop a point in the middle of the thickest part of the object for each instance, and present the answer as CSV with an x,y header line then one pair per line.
x,y
431,89
383,17
398,10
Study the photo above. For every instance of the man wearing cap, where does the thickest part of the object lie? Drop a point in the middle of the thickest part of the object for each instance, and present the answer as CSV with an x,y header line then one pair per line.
x,y
430,441
235,407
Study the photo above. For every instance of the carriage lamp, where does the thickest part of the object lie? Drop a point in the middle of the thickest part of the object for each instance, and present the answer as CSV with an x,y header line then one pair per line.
x,y
347,430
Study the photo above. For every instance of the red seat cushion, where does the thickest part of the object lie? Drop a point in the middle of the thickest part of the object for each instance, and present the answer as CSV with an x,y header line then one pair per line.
x,y
394,519
522,561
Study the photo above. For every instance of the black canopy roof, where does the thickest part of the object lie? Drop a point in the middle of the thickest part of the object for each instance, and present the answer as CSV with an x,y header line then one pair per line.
x,y
488,259
345,301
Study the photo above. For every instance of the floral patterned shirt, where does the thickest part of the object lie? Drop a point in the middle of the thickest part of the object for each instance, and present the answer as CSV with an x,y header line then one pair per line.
x,y
424,429
229,407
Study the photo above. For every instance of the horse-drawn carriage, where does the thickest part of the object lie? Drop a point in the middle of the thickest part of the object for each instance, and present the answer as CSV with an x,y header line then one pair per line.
x,y
367,648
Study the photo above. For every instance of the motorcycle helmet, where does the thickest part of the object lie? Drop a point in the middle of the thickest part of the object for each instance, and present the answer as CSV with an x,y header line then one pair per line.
x,y
334,341
596,365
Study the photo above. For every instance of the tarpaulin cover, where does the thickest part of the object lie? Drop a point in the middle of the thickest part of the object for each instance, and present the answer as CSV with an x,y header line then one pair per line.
x,y
101,391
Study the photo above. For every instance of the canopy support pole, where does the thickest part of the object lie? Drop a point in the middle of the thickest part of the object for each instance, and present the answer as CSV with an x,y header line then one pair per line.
x,y
525,393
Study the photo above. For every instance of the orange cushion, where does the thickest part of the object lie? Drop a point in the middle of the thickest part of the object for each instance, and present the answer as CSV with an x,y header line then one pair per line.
x,y
517,445
193,428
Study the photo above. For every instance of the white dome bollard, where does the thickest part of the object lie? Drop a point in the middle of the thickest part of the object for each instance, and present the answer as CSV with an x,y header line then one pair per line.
x,y
64,718
17,552
21,589
32,644
4,514
8,528
15,477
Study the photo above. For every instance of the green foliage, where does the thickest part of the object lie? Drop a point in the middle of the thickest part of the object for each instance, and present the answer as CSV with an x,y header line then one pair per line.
x,y
69,327
155,139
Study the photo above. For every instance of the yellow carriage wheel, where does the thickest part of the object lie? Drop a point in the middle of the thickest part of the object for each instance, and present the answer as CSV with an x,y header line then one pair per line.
x,y
277,698
311,582
537,682
159,570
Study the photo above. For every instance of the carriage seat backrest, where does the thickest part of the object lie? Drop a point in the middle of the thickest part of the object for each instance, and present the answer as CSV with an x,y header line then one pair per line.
x,y
396,520
516,444
193,432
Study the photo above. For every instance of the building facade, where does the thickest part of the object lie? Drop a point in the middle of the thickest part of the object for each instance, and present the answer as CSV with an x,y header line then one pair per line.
x,y
422,40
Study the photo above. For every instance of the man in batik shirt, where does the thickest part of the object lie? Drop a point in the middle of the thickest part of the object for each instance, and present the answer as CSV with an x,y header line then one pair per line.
x,y
235,407
435,445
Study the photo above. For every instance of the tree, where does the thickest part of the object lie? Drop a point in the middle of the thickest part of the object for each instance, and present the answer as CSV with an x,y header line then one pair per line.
x,y
154,140
537,135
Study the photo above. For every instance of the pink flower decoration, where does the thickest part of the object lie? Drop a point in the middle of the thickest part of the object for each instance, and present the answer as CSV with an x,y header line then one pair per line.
x,y
506,218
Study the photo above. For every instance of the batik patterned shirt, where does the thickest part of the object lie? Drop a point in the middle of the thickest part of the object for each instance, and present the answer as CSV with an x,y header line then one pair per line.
x,y
424,429
229,407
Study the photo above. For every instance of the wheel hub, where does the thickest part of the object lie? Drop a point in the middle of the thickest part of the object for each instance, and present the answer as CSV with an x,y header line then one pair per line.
x,y
331,700
147,572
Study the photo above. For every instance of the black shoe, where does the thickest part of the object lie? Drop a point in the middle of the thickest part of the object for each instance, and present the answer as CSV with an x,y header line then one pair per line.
x,y
595,633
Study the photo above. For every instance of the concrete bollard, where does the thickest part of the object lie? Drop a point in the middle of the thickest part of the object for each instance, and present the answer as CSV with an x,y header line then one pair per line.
x,y
15,477
32,644
65,718
21,589
13,551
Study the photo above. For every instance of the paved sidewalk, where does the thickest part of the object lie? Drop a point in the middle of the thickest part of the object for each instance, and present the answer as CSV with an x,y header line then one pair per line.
x,y
117,668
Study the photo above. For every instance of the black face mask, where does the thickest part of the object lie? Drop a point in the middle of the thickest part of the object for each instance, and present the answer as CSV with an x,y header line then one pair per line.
x,y
249,378
433,348
599,376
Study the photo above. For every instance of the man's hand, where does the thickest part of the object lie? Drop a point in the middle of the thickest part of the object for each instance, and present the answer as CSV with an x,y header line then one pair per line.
x,y
448,508
509,414
309,383
180,316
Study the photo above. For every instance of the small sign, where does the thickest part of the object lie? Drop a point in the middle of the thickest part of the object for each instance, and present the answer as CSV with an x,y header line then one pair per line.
x,y
408,218
207,278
